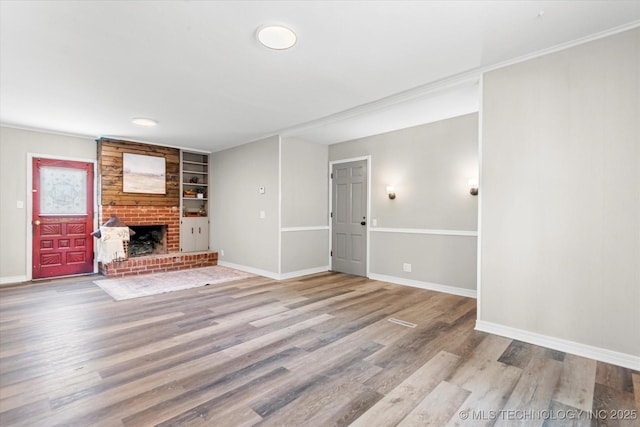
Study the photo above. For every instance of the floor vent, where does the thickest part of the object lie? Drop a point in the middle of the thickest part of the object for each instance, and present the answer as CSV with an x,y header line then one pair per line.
x,y
402,322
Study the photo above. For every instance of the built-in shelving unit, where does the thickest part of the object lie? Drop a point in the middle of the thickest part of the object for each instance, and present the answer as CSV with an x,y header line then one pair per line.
x,y
194,201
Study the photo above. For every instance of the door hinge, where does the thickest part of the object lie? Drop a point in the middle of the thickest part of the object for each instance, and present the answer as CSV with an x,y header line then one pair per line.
x,y
331,214
331,253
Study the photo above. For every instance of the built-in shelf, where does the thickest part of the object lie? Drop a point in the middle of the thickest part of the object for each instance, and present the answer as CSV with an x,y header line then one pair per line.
x,y
194,177
194,172
189,162
194,224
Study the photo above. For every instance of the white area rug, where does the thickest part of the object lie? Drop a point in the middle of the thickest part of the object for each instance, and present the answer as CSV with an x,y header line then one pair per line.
x,y
157,283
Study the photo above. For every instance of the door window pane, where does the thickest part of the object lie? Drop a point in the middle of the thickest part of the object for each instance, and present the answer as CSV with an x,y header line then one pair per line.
x,y
63,191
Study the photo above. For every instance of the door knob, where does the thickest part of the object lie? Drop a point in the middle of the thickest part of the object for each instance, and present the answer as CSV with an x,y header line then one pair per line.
x,y
36,222
363,223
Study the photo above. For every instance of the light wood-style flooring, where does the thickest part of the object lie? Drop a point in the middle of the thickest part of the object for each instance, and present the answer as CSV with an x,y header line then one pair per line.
x,y
316,351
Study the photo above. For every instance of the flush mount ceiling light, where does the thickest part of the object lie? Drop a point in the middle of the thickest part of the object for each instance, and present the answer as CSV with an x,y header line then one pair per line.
x,y
276,37
143,121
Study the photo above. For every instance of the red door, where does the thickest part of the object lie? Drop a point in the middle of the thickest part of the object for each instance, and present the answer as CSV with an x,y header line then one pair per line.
x,y
62,218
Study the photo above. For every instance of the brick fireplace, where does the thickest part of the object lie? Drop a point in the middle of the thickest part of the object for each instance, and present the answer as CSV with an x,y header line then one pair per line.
x,y
148,215
139,209
170,261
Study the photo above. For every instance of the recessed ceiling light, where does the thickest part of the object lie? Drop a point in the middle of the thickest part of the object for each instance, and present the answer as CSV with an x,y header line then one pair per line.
x,y
276,37
142,121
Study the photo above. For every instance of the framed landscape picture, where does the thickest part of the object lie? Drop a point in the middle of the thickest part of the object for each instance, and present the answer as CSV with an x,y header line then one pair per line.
x,y
143,174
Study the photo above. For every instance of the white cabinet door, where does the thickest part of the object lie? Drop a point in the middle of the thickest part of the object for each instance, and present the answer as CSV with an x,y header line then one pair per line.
x,y
202,234
194,234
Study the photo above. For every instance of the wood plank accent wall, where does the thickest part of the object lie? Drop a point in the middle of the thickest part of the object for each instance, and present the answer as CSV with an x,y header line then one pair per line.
x,y
110,170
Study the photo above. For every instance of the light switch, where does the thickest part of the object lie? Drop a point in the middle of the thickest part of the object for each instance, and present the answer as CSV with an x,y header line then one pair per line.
x,y
374,222
262,215
20,204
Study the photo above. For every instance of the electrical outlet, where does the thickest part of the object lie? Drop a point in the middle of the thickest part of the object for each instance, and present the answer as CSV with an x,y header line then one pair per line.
x,y
406,267
263,215
221,252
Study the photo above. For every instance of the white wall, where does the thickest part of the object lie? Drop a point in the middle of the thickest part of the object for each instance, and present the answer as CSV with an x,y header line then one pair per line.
x,y
429,166
236,226
560,192
14,146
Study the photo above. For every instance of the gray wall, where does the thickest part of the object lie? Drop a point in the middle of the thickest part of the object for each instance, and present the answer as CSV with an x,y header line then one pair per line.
x,y
429,166
294,174
14,146
305,180
305,250
304,205
560,188
236,226
439,259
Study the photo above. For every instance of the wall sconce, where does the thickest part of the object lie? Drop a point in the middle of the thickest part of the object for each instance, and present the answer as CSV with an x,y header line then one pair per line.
x,y
473,186
391,192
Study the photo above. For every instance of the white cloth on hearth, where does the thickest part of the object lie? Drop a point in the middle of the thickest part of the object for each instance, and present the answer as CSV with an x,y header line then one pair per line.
x,y
110,245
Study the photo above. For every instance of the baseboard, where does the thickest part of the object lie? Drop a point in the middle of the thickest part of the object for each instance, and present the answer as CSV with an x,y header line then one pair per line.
x,y
613,357
271,274
10,280
469,293
259,272
306,272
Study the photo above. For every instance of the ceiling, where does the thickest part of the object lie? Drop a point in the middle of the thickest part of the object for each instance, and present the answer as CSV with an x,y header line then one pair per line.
x,y
359,67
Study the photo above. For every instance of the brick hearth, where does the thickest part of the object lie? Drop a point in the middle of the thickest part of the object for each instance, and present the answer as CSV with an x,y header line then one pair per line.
x,y
159,263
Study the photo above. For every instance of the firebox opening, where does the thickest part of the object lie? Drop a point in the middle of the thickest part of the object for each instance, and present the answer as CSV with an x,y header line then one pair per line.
x,y
148,240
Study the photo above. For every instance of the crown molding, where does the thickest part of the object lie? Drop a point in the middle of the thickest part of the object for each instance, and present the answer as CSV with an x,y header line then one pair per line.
x,y
140,141
95,138
47,131
467,77
562,46
471,76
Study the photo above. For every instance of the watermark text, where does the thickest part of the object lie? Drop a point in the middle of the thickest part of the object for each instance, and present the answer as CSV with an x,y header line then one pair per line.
x,y
533,415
